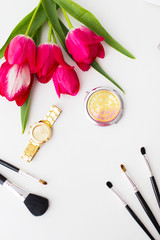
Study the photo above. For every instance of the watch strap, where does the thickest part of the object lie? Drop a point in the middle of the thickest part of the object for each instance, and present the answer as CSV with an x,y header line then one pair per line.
x,y
30,152
52,115
32,147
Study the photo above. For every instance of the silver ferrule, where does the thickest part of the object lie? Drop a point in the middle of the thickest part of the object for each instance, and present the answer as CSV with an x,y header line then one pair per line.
x,y
15,189
118,195
22,172
149,167
131,182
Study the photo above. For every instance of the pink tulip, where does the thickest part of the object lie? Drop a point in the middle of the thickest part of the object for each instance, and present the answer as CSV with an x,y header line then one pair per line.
x,y
16,73
15,82
65,81
84,46
49,56
21,50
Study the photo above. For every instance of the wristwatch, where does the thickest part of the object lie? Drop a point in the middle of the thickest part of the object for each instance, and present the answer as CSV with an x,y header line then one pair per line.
x,y
40,132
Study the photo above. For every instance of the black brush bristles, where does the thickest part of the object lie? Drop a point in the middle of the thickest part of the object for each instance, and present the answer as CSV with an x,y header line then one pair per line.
x,y
109,184
37,205
143,150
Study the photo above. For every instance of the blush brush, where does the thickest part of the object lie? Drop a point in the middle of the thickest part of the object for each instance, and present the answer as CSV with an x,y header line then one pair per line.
x,y
142,201
136,218
37,205
152,178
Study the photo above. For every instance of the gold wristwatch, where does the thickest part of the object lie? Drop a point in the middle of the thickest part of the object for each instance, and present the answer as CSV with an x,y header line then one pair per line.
x,y
40,133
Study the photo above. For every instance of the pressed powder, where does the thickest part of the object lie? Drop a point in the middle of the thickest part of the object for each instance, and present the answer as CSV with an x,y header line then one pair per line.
x,y
104,106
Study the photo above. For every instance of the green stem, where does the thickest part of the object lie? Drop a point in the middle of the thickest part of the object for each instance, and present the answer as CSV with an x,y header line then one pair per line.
x,y
53,36
32,19
67,19
50,32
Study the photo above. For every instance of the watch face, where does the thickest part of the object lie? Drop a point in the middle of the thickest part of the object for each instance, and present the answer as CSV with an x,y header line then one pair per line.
x,y
40,132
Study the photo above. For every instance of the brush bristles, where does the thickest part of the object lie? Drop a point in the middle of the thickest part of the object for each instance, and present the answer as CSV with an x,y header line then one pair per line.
x,y
37,205
143,151
123,168
43,182
109,184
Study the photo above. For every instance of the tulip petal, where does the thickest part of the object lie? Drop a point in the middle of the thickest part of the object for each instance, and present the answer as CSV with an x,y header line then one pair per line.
x,y
56,85
66,81
57,52
75,48
3,72
46,62
84,36
83,66
84,45
14,80
31,54
42,55
87,36
21,100
101,52
49,56
21,50
15,49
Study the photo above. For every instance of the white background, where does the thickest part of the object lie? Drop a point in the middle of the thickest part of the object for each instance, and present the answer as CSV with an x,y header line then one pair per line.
x,y
81,157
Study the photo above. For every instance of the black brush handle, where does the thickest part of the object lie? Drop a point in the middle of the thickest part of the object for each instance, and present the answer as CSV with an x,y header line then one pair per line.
x,y
148,211
155,189
8,165
136,218
2,179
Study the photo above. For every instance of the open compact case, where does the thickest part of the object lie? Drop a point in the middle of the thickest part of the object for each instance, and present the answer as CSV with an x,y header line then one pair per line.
x,y
104,106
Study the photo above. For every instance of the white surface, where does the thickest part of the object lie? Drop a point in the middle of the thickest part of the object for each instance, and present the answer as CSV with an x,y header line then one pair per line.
x,y
80,157
157,2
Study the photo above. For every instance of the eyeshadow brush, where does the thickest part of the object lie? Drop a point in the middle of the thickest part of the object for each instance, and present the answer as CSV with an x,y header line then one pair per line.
x,y
152,178
142,201
20,171
136,218
37,205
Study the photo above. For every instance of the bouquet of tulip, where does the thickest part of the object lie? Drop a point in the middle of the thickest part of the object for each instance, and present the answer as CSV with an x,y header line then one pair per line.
x,y
25,58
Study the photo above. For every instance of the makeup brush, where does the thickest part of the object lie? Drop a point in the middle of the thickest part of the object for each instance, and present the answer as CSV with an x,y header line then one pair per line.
x,y
37,205
152,178
110,185
141,200
20,171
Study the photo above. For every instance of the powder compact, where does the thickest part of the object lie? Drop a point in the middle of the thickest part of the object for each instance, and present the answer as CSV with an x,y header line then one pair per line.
x,y
104,106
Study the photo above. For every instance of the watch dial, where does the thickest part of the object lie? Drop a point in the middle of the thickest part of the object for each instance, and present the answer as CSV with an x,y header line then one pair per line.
x,y
41,133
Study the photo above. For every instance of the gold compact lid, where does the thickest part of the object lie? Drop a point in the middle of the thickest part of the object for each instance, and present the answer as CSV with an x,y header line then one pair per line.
x,y
104,106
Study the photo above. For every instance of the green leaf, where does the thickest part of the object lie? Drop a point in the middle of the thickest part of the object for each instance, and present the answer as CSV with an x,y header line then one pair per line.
x,y
24,113
50,8
89,20
64,28
98,68
21,27
37,36
26,106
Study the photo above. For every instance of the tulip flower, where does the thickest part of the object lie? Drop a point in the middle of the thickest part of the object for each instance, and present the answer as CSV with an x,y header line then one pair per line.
x,y
15,82
21,50
84,46
65,81
51,64
49,56
15,72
